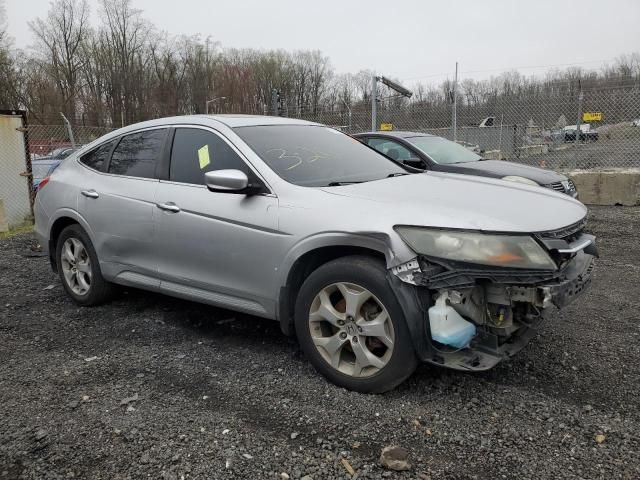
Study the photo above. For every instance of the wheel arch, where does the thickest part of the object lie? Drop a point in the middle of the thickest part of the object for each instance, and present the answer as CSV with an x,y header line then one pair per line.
x,y
62,220
304,261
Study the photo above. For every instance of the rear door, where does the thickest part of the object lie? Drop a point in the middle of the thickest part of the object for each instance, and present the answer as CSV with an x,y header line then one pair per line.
x,y
213,246
118,204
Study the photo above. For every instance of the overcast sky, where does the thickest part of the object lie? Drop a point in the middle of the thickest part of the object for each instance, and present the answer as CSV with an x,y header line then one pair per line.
x,y
408,39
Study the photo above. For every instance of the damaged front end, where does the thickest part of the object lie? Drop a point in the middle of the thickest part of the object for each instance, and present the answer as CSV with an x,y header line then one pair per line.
x,y
472,316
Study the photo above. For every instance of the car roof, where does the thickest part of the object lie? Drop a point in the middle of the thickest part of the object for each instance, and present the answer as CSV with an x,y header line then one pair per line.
x,y
231,120
397,134
46,160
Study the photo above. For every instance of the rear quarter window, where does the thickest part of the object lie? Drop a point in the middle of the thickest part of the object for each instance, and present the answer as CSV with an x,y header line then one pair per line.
x,y
138,153
97,157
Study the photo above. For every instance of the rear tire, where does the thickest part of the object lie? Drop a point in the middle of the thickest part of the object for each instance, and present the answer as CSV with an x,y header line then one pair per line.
x,y
79,268
351,327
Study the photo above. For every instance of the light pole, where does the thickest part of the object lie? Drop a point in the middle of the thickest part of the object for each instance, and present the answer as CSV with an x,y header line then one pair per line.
x,y
211,101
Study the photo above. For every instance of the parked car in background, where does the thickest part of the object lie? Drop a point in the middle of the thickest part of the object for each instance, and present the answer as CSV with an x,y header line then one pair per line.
x,y
372,268
586,133
44,166
41,169
423,152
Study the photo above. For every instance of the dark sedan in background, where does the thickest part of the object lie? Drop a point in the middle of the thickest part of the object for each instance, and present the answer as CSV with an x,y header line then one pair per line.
x,y
421,151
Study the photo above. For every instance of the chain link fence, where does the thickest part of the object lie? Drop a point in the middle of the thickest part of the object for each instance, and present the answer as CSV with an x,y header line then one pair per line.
x,y
572,129
29,153
534,131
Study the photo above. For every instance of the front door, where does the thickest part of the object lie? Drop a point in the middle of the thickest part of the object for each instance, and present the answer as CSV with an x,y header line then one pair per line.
x,y
214,246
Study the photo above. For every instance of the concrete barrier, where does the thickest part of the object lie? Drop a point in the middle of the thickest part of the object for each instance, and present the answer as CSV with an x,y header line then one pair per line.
x,y
531,150
608,187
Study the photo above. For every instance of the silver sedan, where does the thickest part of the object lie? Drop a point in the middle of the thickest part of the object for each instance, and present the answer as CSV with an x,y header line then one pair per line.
x,y
373,269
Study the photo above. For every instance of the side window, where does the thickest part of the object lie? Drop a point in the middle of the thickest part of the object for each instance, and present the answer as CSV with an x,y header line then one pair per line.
x,y
96,158
390,149
196,151
137,154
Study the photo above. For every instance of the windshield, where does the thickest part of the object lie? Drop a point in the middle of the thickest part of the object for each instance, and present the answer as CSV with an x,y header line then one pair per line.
x,y
443,151
316,156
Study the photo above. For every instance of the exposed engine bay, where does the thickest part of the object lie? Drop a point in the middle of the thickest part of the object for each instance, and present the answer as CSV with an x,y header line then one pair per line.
x,y
479,316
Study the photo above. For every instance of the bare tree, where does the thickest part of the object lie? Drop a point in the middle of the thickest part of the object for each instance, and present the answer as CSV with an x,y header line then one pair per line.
x,y
122,41
60,35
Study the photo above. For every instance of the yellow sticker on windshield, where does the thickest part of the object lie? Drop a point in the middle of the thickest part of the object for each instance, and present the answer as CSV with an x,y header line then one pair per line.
x,y
203,156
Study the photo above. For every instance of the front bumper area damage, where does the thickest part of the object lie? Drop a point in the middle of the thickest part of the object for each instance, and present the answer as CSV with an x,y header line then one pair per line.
x,y
506,306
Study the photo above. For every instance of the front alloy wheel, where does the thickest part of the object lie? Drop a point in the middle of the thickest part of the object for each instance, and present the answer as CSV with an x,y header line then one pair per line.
x,y
351,329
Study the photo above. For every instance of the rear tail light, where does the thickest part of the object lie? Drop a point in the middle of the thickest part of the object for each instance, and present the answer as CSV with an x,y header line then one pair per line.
x,y
44,181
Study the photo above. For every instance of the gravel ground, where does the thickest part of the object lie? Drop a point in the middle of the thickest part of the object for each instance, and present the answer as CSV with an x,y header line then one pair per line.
x,y
149,386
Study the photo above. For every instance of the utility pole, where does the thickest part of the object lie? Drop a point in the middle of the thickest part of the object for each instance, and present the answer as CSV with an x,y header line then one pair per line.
x,y
454,114
374,100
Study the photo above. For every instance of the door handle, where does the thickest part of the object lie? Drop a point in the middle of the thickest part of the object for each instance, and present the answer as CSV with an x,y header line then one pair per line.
x,y
169,207
90,193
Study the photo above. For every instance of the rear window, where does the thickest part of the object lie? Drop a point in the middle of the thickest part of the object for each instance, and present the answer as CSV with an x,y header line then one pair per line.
x,y
137,154
98,156
316,156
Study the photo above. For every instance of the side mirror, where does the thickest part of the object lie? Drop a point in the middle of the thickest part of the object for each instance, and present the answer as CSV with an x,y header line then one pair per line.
x,y
415,163
229,181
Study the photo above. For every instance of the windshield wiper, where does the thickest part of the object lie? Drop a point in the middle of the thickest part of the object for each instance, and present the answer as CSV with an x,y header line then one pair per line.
x,y
397,174
339,184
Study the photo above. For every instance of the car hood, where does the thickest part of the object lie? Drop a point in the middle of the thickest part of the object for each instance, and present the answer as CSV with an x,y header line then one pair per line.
x,y
500,168
448,200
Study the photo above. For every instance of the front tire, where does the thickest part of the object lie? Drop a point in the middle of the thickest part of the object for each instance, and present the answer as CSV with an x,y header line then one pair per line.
x,y
79,268
351,327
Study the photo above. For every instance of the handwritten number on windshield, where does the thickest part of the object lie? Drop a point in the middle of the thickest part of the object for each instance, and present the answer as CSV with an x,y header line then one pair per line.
x,y
298,155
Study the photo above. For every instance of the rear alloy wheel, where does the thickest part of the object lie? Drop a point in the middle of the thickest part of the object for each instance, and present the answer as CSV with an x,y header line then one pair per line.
x,y
76,266
351,328
79,268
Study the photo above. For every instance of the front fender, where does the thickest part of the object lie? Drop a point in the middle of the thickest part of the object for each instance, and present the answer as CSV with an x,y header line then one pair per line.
x,y
376,241
395,252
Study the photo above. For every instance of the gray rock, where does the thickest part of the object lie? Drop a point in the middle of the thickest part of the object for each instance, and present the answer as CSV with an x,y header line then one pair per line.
x,y
396,458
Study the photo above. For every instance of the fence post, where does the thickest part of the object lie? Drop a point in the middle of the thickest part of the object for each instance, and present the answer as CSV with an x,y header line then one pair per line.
x,y
578,123
69,130
454,114
374,100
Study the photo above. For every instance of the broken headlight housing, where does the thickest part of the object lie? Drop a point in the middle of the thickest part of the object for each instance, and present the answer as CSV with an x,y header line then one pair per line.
x,y
515,251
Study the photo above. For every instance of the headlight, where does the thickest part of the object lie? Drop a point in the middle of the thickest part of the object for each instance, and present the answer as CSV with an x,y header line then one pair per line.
x,y
517,251
517,179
